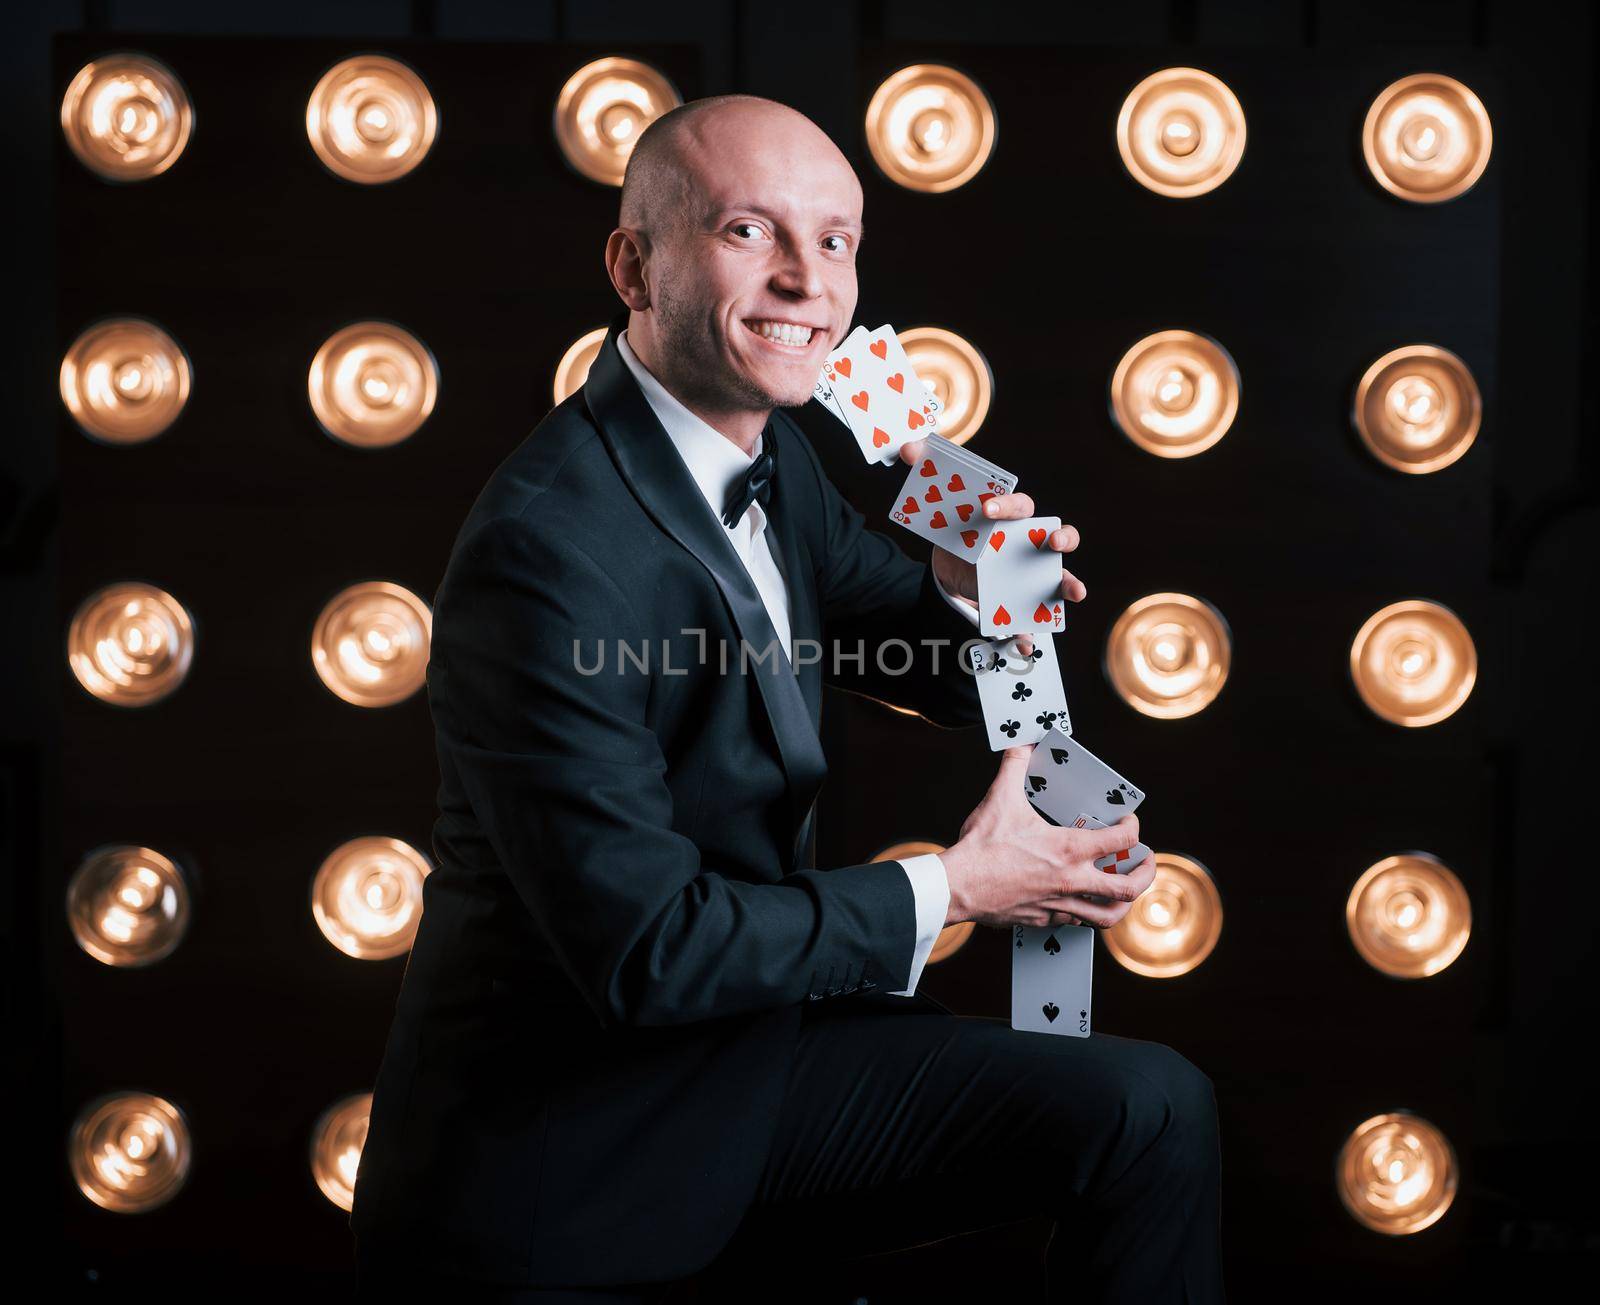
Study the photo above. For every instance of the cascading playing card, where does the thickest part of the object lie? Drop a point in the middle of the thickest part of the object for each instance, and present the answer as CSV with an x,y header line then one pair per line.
x,y
1022,696
1113,863
875,391
823,392
943,497
1019,579
1052,970
1065,780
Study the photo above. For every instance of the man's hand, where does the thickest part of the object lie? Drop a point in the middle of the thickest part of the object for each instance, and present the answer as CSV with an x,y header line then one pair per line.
x,y
1012,866
961,578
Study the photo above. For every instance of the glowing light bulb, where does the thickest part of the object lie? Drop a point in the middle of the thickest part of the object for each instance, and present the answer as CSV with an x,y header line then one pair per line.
x,y
930,128
602,111
1181,132
1426,138
371,119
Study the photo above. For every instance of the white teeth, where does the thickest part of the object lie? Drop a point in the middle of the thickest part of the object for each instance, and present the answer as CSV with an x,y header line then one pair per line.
x,y
784,332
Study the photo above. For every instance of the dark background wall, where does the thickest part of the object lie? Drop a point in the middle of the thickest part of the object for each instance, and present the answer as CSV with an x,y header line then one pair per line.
x,y
1053,262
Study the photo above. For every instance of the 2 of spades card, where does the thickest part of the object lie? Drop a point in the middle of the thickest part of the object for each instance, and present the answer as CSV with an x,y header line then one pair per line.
x,y
1022,696
1052,970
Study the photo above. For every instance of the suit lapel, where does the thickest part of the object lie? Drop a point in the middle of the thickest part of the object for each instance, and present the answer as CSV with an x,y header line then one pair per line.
x,y
789,549
650,465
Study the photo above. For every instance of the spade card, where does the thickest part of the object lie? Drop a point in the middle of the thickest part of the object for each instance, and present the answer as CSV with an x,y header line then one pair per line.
x,y
1065,780
943,497
1113,863
1022,697
1051,979
1019,579
884,402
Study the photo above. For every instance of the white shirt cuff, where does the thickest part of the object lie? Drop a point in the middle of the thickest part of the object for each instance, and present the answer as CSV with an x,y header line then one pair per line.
x,y
931,888
960,604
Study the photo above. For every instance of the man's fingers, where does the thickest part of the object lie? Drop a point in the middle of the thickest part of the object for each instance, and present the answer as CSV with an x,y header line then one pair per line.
x,y
911,450
1072,588
1100,914
1113,838
1065,538
1008,507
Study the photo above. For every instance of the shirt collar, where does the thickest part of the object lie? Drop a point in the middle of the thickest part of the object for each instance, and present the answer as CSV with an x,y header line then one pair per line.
x,y
713,459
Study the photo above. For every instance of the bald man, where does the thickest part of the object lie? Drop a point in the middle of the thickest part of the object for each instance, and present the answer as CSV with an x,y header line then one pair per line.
x,y
639,1033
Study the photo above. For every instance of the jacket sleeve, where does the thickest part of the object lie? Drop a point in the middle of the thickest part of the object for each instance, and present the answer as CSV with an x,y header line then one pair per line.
x,y
569,785
880,603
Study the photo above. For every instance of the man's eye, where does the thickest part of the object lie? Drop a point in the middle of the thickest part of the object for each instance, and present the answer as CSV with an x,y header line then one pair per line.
x,y
738,227
839,245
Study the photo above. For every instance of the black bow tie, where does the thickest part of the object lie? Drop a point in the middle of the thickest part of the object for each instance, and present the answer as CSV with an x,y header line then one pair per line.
x,y
755,486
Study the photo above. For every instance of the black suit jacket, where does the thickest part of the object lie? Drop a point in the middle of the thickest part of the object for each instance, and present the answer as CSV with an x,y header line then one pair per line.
x,y
596,1021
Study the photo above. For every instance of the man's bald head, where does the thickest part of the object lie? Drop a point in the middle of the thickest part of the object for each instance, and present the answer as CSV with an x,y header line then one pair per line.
x,y
664,186
735,253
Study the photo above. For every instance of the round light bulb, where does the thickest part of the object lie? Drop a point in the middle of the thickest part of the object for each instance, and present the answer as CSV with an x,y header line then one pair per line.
x,y
370,644
573,369
126,117
1413,662
367,897
129,1152
1426,138
337,1140
372,384
1175,393
603,110
1409,915
1173,925
130,644
930,128
1181,132
1396,1174
1168,655
128,906
371,119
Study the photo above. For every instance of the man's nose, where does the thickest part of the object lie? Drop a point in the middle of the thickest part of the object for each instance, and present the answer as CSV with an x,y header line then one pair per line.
x,y
799,275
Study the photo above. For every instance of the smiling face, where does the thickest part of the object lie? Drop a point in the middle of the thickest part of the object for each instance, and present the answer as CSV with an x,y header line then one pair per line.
x,y
749,280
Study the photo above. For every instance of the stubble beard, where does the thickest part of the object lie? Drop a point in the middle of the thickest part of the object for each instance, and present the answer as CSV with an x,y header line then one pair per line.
x,y
697,371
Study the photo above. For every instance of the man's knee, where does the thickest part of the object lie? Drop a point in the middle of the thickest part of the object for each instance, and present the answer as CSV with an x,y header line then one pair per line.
x,y
1173,1104
1191,1099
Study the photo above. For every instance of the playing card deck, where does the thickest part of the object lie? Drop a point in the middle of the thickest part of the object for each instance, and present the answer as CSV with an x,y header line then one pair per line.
x,y
943,497
868,383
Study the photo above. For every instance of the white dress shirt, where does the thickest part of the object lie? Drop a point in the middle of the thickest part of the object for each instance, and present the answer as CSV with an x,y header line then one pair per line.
x,y
715,462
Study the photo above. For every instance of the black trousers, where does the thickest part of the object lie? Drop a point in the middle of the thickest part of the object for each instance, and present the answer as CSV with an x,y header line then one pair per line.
x,y
904,1123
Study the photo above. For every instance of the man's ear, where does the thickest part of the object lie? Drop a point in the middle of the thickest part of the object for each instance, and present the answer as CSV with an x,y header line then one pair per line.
x,y
626,251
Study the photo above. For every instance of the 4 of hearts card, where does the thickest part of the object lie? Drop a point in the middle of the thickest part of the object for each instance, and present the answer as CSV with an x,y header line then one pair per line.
x,y
1019,579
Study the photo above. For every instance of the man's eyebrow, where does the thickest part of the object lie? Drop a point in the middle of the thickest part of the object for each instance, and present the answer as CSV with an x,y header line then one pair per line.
x,y
761,210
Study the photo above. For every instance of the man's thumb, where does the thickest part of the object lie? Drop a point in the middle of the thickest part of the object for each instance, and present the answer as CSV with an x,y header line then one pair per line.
x,y
1008,779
